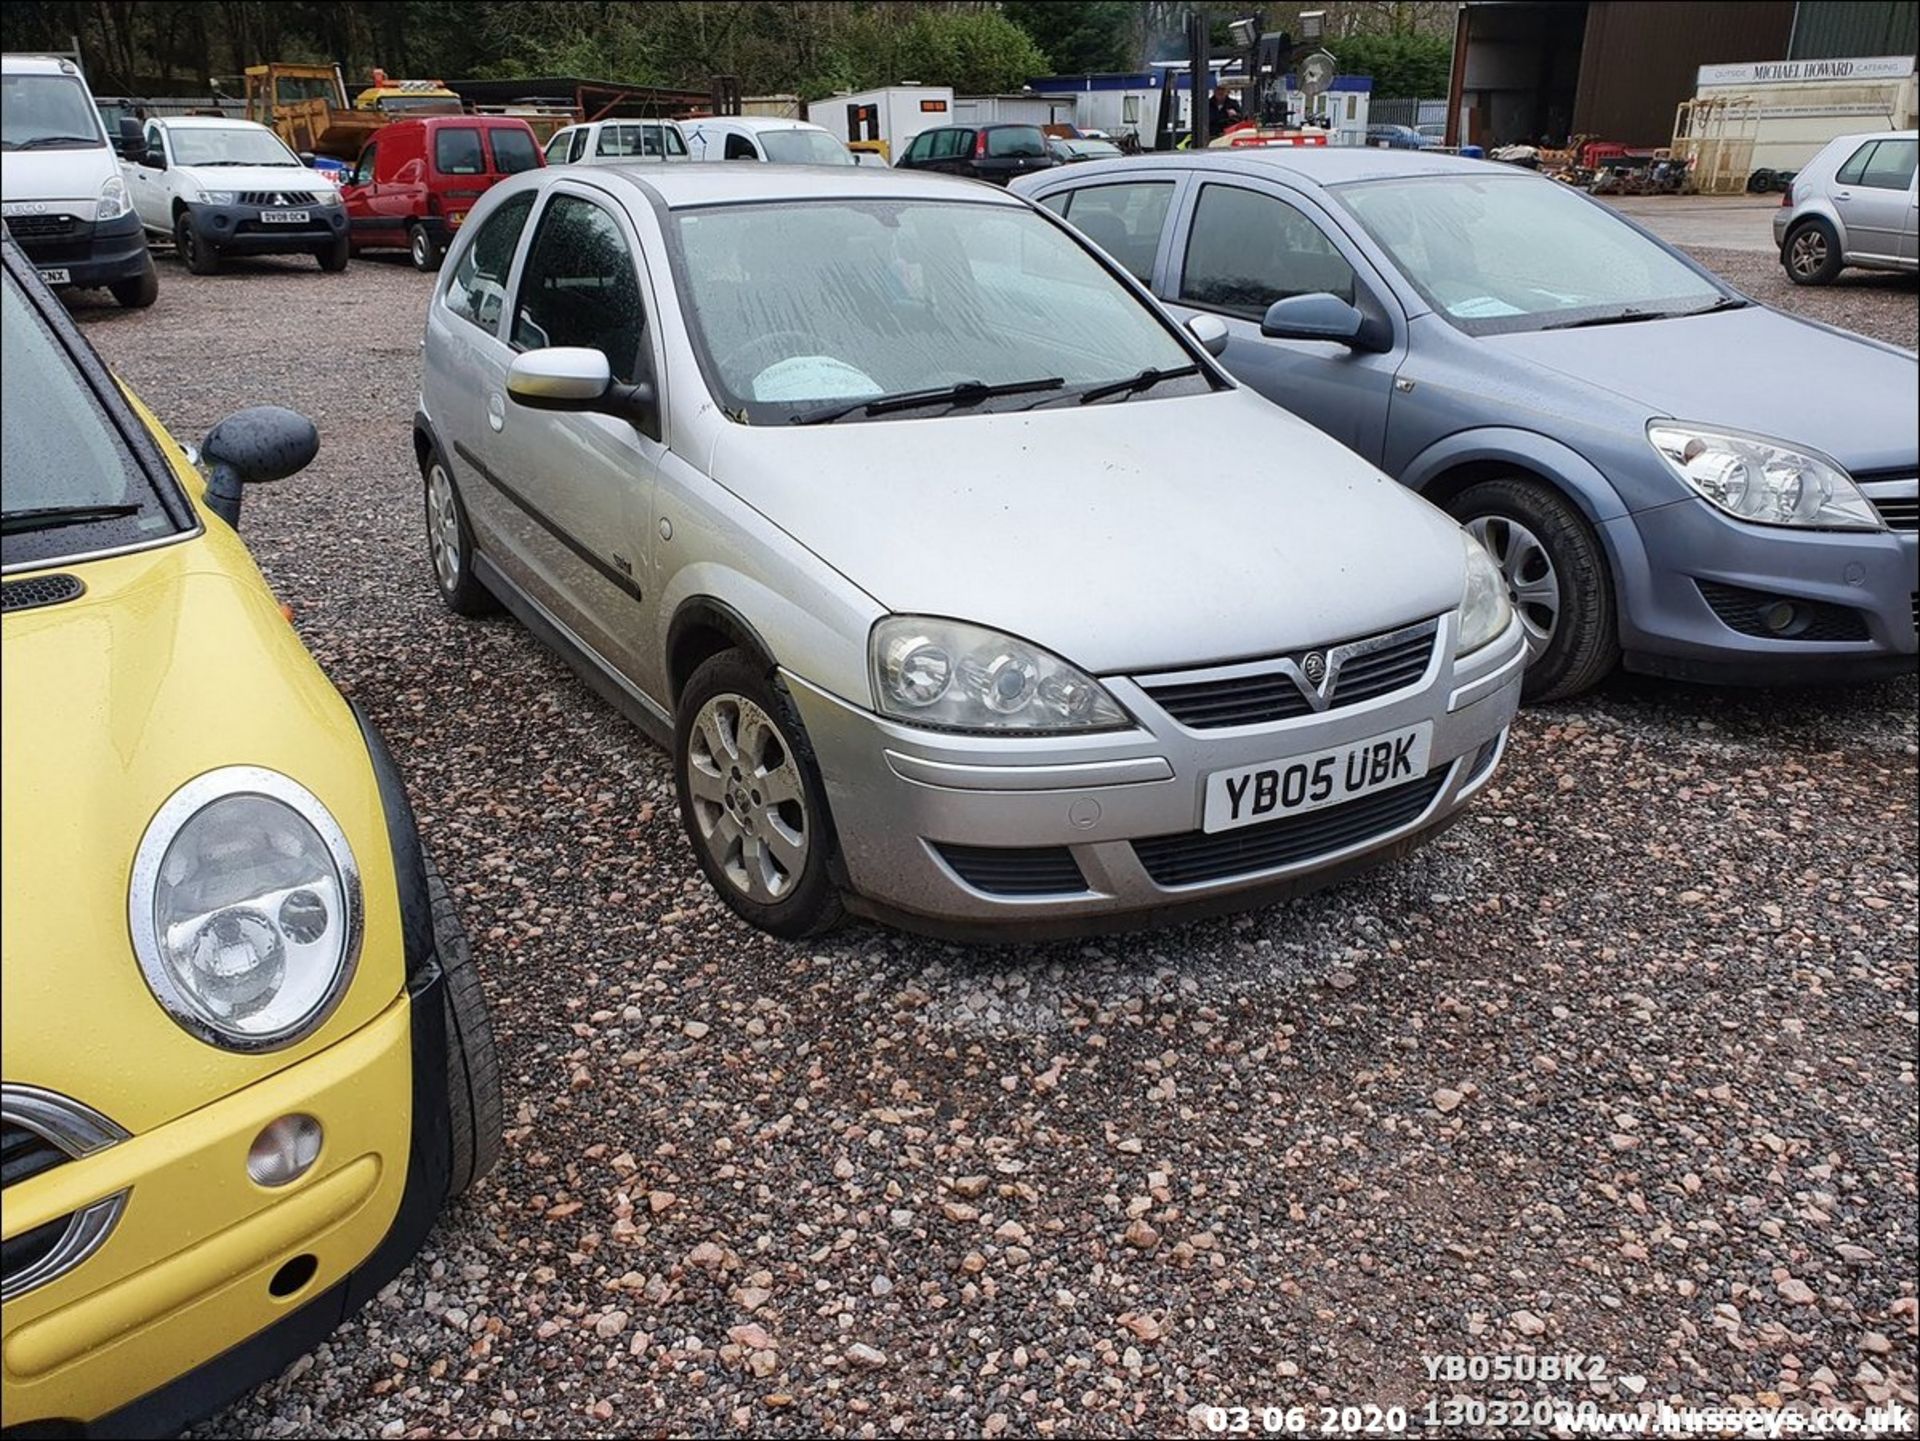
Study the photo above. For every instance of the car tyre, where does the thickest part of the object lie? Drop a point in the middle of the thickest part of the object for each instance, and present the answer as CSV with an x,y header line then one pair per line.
x,y
751,798
474,1111
1557,576
450,545
199,257
139,292
333,258
424,250
1811,255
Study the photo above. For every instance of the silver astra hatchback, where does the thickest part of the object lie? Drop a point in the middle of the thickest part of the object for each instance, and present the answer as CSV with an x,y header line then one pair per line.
x,y
968,592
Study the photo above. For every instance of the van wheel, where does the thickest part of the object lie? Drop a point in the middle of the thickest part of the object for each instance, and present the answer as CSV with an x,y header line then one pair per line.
x,y
450,544
474,1113
333,258
199,257
139,292
1812,253
1557,579
751,798
424,249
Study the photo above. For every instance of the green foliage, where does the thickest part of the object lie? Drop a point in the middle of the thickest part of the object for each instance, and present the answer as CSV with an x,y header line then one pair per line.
x,y
1078,36
1402,65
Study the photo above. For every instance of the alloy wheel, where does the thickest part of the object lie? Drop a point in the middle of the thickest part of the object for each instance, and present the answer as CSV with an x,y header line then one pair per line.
x,y
1532,583
443,527
1808,253
748,800
422,252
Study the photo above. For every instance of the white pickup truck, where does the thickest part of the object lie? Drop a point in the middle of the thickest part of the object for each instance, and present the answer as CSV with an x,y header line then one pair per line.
x,y
230,187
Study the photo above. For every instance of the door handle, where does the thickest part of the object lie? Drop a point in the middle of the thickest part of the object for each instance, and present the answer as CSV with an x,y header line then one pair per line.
x,y
496,411
1843,195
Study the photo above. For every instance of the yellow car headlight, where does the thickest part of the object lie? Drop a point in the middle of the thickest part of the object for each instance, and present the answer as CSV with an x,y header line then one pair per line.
x,y
245,909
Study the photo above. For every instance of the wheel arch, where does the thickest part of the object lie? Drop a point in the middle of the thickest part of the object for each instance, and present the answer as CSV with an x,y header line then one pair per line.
x,y
1449,466
702,627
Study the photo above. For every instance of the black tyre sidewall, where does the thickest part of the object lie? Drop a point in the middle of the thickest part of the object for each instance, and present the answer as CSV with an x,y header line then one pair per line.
x,y
1834,263
475,1112
1585,644
199,257
335,257
139,292
419,245
814,906
468,596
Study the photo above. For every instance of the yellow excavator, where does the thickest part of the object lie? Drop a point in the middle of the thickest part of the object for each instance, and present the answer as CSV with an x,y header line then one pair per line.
x,y
306,106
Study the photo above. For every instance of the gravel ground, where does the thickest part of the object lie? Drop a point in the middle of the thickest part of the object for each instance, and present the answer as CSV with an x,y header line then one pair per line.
x,y
1623,1065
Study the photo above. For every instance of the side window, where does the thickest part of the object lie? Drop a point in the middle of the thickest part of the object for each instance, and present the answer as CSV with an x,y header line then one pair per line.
x,y
921,147
614,140
1891,166
740,148
478,289
456,151
1058,202
1856,165
1248,250
557,147
579,146
946,144
363,172
1125,221
676,143
579,287
154,139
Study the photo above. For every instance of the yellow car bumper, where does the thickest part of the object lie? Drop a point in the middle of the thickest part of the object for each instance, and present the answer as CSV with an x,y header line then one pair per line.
x,y
194,1290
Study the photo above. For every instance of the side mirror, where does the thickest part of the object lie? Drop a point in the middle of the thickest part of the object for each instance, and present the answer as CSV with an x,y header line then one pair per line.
x,y
307,157
1211,331
130,141
250,447
578,378
1321,316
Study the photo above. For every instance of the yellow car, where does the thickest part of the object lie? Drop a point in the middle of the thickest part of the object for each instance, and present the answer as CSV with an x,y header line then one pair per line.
x,y
246,1055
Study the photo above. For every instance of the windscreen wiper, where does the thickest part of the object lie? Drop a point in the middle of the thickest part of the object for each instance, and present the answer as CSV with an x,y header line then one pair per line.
x,y
967,392
1133,384
39,140
1624,317
1725,302
52,517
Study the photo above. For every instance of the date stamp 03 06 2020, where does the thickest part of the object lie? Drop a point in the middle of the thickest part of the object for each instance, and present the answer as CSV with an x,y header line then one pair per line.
x,y
1541,1415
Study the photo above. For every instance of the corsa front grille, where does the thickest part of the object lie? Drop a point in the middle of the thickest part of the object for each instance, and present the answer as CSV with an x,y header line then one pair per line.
x,y
1781,617
25,1153
1195,856
1362,670
1015,870
40,590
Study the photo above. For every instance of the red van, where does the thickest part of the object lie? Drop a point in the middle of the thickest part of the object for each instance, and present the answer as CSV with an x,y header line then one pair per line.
x,y
416,180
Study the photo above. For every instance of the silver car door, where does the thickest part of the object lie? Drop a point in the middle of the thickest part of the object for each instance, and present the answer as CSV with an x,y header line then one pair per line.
x,y
583,483
1870,196
1241,244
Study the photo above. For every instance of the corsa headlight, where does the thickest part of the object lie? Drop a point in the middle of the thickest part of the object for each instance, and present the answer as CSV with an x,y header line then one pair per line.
x,y
955,676
1485,611
113,202
245,909
1761,480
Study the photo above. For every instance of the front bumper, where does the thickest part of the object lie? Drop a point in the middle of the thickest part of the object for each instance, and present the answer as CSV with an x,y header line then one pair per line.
x,y
92,253
243,230
1860,584
904,800
175,1314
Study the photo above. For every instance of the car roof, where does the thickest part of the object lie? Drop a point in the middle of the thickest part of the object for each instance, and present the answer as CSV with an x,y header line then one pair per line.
x,y
682,186
1309,164
203,122
752,122
38,65
1866,135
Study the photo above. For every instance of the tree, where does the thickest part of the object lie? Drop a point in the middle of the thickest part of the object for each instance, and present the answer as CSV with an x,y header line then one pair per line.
x,y
1079,36
1403,65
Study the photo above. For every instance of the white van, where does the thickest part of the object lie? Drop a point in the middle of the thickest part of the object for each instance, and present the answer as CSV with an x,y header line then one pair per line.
x,y
617,142
763,137
61,192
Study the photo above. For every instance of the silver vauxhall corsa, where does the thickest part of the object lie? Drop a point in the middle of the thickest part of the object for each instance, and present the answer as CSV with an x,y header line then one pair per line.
x,y
968,591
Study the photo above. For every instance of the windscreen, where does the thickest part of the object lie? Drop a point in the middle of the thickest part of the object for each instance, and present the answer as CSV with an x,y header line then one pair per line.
x,y
798,303
46,112
803,147
228,145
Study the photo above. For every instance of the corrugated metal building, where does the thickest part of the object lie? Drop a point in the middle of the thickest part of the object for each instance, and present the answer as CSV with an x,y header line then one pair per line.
x,y
1544,70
